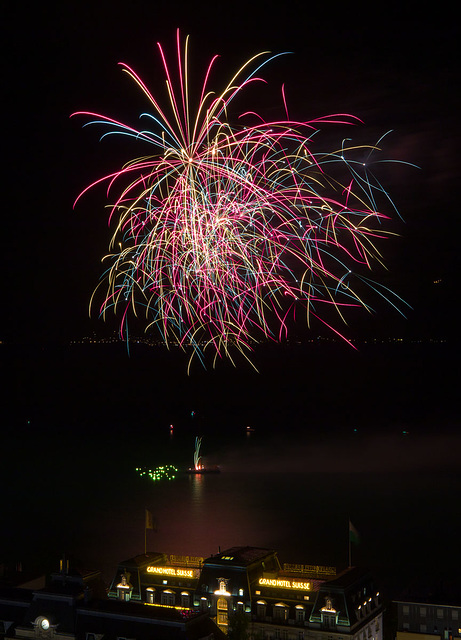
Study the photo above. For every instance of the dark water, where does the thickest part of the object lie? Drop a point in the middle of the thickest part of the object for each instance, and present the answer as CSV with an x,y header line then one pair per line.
x,y
328,444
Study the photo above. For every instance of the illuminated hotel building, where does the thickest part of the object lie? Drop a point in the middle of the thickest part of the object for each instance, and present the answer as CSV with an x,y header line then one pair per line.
x,y
293,602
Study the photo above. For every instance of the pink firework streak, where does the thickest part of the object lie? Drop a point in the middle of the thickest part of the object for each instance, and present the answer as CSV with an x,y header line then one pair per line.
x,y
226,229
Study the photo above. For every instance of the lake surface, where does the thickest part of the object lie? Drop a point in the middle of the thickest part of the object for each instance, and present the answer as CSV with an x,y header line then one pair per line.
x,y
369,441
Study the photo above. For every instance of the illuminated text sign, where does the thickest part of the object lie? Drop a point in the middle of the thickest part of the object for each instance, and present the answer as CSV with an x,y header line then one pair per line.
x,y
284,584
171,571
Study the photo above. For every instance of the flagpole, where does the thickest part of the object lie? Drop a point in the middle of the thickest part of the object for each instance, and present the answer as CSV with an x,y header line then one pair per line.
x,y
350,560
353,538
148,524
349,538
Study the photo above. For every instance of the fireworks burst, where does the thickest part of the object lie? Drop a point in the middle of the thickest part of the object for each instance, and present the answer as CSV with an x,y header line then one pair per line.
x,y
225,230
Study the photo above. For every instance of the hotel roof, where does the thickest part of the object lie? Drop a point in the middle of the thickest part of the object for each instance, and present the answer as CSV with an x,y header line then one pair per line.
x,y
239,556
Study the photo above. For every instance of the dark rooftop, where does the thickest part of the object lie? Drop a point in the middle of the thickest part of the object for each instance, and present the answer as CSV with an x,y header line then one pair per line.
x,y
243,556
444,593
348,577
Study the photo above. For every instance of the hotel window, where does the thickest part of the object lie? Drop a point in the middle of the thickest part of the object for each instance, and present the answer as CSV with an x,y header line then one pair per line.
x,y
168,598
422,612
222,604
299,613
203,604
124,594
184,599
261,609
405,609
439,613
150,595
222,611
222,617
329,621
281,612
454,614
240,607
240,592
422,628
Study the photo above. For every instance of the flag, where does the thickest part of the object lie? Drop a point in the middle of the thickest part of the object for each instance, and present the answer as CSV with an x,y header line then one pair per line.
x,y
149,520
353,534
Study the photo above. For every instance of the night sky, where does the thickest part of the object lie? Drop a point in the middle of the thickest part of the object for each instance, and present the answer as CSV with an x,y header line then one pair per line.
x,y
391,66
395,68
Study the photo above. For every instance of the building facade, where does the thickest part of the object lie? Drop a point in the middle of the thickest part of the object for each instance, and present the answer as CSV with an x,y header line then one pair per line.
x,y
428,619
74,606
289,602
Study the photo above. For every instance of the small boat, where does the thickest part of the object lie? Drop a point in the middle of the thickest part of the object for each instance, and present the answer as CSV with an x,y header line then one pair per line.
x,y
199,468
202,470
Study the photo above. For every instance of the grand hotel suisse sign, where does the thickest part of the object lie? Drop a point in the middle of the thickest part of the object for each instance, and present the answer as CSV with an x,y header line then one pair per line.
x,y
172,571
284,584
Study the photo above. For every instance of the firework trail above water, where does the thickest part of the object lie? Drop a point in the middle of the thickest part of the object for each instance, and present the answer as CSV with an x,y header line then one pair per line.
x,y
226,230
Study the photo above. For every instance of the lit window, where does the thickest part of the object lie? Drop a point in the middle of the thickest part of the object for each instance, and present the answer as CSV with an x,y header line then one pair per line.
x,y
222,618
123,594
222,604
